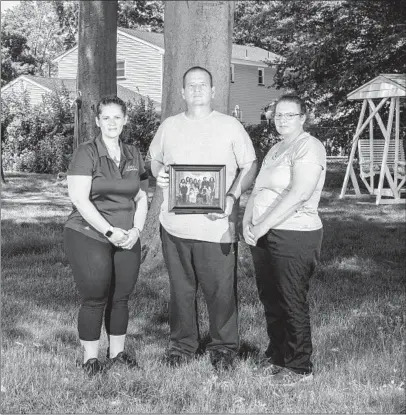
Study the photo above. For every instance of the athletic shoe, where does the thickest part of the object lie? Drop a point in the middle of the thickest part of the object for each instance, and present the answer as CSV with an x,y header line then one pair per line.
x,y
93,367
269,366
222,359
287,377
175,359
123,359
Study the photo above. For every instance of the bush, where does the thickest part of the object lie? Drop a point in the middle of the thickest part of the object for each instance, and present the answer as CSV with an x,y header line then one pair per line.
x,y
263,137
142,124
37,139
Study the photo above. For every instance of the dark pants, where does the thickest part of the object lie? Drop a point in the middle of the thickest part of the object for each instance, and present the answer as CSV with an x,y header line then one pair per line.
x,y
213,266
284,262
105,277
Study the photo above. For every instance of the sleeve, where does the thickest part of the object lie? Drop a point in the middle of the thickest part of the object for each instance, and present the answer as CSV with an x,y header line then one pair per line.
x,y
82,163
310,151
155,151
141,166
242,145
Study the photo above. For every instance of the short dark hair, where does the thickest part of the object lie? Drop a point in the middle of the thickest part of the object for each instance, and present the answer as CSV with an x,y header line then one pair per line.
x,y
293,98
110,99
197,68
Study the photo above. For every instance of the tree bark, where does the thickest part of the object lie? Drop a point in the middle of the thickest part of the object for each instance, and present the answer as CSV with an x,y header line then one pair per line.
x,y
97,53
196,33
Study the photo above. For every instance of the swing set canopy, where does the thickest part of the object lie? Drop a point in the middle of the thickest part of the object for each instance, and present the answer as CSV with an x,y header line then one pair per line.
x,y
384,85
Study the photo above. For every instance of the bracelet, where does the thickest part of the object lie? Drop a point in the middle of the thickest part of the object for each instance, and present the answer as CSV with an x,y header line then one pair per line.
x,y
138,229
232,196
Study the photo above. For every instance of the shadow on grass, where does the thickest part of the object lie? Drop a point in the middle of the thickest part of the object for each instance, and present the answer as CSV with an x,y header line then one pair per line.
x,y
35,270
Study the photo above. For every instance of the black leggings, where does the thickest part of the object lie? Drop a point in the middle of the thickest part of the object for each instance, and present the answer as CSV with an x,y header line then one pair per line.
x,y
105,276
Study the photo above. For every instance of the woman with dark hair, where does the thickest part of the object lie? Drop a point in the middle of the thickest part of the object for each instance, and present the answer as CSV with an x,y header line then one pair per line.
x,y
107,185
282,225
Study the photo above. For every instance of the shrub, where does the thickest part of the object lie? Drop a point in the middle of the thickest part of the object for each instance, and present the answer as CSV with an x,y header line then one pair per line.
x,y
263,137
37,139
142,124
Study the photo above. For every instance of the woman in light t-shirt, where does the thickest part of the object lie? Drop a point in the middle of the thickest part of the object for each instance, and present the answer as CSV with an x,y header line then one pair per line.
x,y
282,225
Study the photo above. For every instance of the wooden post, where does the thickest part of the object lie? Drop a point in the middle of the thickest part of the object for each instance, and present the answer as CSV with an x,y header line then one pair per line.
x,y
387,133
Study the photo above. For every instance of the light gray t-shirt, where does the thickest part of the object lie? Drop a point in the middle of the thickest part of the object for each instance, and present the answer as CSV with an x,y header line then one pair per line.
x,y
215,139
275,180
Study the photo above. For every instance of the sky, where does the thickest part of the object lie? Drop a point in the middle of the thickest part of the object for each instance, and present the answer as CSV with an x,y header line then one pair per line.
x,y
7,4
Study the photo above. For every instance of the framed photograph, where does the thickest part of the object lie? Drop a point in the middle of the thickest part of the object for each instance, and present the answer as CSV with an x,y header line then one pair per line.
x,y
197,188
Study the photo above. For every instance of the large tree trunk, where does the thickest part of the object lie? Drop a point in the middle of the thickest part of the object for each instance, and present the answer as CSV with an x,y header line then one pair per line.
x,y
196,33
97,53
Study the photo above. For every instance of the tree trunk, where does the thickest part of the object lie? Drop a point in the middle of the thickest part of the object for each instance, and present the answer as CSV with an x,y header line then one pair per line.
x,y
97,53
197,33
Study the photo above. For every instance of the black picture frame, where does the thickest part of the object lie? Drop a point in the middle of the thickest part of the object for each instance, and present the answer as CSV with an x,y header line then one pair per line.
x,y
206,196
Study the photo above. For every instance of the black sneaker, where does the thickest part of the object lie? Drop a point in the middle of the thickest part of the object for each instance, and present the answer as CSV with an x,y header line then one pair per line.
x,y
287,377
222,359
269,366
123,359
93,367
175,360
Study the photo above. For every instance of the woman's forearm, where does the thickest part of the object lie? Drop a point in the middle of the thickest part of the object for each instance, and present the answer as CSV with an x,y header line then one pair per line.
x,y
141,210
91,215
286,207
247,219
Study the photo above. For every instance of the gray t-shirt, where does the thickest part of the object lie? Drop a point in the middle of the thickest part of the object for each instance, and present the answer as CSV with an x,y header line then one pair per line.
x,y
275,180
215,139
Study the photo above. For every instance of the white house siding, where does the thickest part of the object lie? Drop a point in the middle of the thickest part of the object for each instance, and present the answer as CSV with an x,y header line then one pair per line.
x,y
248,95
68,65
34,91
143,67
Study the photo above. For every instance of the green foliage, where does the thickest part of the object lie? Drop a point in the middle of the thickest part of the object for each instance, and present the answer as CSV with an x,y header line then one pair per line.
x,y
142,123
40,139
329,48
141,14
37,139
15,57
263,137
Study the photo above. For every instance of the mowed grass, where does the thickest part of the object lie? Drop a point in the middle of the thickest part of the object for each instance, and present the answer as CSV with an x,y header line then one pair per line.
x,y
357,300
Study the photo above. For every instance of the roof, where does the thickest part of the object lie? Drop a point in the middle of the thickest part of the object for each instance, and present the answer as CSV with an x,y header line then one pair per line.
x,y
240,53
51,84
384,85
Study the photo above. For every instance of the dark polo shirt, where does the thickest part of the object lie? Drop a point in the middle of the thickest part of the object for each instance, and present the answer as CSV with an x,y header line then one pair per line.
x,y
113,188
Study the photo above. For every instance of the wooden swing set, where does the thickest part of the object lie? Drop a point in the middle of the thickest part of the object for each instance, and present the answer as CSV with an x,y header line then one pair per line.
x,y
386,156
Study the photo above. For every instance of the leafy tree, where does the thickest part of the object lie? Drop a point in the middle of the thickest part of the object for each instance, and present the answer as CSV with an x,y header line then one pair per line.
x,y
329,48
196,33
97,74
141,14
15,57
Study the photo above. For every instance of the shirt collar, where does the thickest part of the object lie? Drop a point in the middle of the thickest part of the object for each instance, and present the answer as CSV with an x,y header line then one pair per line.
x,y
102,150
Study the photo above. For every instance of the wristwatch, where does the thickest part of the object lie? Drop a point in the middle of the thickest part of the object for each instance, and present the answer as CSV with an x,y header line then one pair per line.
x,y
232,196
109,232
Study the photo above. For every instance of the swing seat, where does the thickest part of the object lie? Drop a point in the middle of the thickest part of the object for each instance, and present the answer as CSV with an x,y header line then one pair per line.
x,y
364,158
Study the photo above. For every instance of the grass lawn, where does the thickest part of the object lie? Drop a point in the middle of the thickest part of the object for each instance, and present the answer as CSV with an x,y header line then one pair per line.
x,y
357,300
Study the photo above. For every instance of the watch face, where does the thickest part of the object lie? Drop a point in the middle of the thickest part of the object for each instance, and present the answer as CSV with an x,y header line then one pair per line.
x,y
108,234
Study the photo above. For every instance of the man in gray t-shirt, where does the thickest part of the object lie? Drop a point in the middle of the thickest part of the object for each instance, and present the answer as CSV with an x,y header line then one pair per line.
x,y
201,248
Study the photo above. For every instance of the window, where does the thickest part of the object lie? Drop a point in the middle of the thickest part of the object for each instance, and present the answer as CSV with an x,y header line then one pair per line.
x,y
261,76
120,69
232,73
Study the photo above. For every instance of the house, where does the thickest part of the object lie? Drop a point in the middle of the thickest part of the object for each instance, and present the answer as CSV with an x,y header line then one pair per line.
x,y
37,86
140,63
